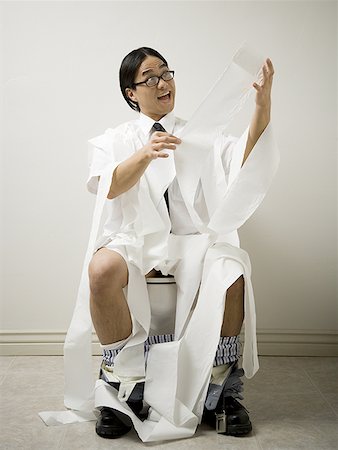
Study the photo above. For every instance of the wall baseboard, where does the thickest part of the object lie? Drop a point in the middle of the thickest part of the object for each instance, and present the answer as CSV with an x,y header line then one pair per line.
x,y
270,342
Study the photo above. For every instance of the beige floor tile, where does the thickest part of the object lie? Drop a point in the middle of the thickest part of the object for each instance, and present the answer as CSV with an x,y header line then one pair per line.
x,y
11,409
286,380
22,428
332,399
312,362
287,407
5,363
307,435
31,438
276,363
206,437
80,436
20,386
325,378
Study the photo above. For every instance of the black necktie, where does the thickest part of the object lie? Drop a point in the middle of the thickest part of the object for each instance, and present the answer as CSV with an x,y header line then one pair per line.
x,y
158,127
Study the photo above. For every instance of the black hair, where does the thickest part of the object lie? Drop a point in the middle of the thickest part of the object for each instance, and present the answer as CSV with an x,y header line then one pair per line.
x,y
129,67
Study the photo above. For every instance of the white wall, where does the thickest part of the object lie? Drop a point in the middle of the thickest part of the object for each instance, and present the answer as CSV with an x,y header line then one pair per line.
x,y
60,64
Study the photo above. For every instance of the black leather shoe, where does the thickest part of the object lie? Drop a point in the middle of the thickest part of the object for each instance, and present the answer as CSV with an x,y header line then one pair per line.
x,y
230,417
112,424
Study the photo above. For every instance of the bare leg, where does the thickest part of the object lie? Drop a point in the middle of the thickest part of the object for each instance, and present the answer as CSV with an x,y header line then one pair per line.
x,y
234,309
108,275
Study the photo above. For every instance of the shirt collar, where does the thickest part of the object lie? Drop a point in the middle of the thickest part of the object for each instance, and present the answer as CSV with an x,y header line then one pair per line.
x,y
146,123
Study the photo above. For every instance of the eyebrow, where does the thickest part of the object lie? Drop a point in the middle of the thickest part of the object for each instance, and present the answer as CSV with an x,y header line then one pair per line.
x,y
152,70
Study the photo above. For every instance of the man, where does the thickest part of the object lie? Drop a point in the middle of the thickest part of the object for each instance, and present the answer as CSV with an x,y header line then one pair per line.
x,y
144,183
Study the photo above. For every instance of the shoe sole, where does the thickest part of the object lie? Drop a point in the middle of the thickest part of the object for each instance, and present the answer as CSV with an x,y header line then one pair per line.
x,y
108,434
114,431
238,430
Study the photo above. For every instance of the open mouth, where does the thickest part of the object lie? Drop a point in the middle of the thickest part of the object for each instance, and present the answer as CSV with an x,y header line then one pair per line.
x,y
165,97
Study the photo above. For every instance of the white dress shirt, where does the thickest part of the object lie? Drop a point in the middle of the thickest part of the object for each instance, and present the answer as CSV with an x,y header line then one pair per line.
x,y
181,222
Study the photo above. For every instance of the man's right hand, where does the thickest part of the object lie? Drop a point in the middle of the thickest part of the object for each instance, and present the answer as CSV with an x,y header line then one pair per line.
x,y
158,142
128,172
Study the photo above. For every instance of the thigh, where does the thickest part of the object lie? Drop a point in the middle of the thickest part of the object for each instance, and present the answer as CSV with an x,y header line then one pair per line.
x,y
109,263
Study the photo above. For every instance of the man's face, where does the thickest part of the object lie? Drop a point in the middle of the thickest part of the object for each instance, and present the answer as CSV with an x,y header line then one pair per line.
x,y
155,101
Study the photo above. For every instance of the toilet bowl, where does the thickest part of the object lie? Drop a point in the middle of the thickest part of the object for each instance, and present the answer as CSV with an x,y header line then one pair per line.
x,y
162,296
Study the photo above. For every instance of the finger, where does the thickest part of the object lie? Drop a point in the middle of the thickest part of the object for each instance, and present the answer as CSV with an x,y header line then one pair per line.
x,y
164,141
268,71
159,133
161,155
260,75
162,145
163,135
168,138
265,72
270,65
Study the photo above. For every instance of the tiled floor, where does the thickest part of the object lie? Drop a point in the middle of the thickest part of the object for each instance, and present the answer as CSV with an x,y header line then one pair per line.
x,y
293,404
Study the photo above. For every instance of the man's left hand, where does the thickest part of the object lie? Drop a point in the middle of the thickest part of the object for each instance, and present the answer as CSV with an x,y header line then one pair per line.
x,y
263,95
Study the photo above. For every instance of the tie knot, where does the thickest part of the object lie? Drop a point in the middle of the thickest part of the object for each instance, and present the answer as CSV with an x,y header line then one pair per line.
x,y
158,127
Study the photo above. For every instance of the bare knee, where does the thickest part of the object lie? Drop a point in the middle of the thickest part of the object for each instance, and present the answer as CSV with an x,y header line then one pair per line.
x,y
107,271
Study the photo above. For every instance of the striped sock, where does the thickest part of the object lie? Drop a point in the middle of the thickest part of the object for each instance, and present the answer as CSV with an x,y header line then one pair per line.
x,y
228,350
109,352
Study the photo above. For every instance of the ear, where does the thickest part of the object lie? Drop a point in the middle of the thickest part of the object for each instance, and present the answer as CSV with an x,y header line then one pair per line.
x,y
131,95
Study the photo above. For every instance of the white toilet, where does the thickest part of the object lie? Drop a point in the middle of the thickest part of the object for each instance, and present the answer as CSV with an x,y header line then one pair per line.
x,y
162,295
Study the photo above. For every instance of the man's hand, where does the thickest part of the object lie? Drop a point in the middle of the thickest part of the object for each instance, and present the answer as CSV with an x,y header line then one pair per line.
x,y
263,95
261,116
159,141
128,172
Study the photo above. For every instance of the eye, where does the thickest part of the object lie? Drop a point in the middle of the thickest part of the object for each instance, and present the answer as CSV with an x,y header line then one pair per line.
x,y
167,76
152,81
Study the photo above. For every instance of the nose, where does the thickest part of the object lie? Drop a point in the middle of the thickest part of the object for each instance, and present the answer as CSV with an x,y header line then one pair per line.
x,y
162,83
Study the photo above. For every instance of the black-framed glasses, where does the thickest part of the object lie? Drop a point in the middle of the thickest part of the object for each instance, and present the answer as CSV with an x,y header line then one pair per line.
x,y
153,81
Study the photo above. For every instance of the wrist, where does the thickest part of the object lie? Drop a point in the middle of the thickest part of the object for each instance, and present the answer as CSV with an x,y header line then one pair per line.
x,y
263,108
263,112
143,156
